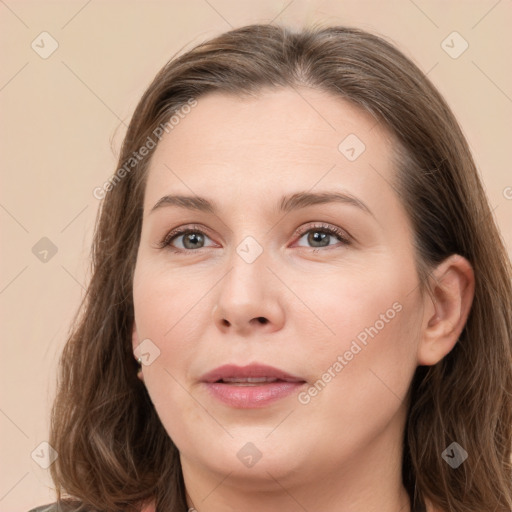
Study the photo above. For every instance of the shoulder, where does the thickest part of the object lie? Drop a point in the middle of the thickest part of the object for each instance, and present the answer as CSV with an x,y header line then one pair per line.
x,y
75,506
61,507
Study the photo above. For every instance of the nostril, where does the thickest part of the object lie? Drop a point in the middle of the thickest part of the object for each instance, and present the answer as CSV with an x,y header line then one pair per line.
x,y
262,320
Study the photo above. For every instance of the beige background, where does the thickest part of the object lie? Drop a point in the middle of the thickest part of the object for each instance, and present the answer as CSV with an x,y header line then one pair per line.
x,y
62,114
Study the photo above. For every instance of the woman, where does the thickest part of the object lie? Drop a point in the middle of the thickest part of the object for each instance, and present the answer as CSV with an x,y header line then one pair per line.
x,y
299,298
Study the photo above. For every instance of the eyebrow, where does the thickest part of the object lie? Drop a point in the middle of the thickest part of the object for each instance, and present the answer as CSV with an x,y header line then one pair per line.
x,y
288,203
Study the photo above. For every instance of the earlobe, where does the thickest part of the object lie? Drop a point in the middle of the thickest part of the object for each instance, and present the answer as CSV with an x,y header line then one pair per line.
x,y
452,285
135,343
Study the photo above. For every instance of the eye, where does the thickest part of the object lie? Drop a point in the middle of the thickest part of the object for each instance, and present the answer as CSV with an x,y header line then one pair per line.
x,y
192,238
319,235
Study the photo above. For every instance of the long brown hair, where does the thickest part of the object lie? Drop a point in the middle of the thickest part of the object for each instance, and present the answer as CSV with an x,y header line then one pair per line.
x,y
113,450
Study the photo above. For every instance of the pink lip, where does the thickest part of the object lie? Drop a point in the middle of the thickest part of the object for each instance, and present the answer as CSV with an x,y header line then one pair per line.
x,y
250,396
252,370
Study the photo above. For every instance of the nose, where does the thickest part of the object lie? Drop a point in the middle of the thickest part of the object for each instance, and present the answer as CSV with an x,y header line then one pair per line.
x,y
249,299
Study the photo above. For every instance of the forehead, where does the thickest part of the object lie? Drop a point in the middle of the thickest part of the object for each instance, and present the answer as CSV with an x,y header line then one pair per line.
x,y
278,139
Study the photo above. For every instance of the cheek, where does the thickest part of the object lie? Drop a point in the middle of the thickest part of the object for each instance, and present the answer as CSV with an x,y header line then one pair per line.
x,y
363,374
163,318
165,305
169,312
367,341
352,304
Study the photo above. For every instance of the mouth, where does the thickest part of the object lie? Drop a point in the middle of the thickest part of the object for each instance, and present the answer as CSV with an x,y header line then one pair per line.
x,y
250,381
252,386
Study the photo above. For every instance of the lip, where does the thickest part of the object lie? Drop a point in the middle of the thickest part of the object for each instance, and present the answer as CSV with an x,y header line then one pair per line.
x,y
252,370
250,395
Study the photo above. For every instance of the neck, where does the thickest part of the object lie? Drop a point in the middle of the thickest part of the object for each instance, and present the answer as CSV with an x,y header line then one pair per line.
x,y
297,500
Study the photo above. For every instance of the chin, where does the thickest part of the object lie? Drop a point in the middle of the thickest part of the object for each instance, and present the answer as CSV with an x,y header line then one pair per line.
x,y
250,458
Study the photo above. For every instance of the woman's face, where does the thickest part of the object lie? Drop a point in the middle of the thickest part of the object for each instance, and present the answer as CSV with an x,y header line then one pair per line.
x,y
260,280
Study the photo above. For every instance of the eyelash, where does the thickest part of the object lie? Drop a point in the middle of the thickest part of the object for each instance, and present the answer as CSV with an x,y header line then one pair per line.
x,y
325,228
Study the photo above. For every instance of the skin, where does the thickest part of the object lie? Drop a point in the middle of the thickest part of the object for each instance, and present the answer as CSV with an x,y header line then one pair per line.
x,y
341,451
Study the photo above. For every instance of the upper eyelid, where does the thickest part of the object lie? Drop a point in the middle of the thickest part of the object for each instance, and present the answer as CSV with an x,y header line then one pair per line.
x,y
319,225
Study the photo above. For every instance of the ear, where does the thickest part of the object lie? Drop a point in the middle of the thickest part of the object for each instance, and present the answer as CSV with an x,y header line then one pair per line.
x,y
135,344
447,309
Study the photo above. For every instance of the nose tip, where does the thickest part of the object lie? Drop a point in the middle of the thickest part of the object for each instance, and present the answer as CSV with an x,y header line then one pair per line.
x,y
247,300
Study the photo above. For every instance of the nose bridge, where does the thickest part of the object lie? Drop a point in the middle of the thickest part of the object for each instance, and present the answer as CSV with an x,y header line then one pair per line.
x,y
246,280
